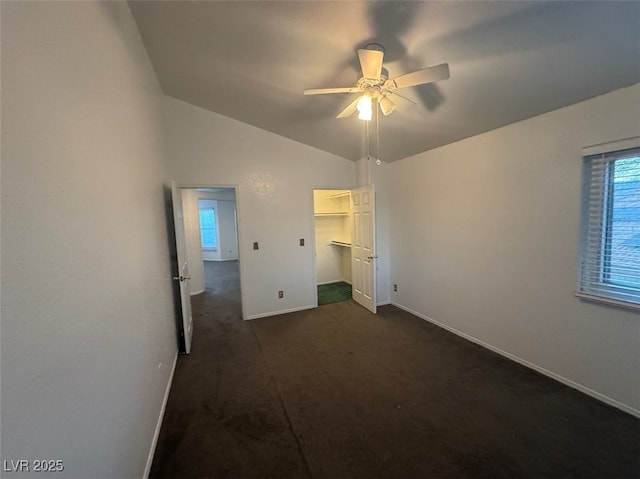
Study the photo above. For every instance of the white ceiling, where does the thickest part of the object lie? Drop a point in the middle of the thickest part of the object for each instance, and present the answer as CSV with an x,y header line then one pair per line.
x,y
508,60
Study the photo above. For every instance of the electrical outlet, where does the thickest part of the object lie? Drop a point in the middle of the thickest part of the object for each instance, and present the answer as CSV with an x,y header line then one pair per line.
x,y
301,241
395,287
255,245
280,294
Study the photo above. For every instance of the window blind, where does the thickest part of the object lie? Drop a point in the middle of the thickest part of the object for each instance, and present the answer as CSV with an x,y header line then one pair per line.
x,y
208,234
610,232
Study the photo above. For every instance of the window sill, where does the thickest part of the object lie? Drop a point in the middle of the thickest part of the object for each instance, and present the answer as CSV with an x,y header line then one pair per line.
x,y
609,301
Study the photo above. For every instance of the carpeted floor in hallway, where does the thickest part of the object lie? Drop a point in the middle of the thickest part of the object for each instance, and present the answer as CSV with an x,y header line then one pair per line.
x,y
337,392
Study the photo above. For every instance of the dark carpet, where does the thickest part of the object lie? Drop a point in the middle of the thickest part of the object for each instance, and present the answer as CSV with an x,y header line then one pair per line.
x,y
337,392
334,292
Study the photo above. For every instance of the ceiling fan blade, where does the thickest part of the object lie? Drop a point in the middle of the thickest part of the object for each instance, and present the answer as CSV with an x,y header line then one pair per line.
x,y
402,103
371,63
427,75
350,109
322,91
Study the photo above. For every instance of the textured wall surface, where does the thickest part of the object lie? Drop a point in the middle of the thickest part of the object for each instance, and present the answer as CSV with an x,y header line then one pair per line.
x,y
275,178
485,236
88,333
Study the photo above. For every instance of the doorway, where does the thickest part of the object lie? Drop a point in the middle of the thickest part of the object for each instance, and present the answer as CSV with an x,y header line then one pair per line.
x,y
345,255
333,223
211,234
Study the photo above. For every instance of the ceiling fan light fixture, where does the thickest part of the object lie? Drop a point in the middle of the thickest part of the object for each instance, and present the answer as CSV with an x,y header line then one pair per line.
x,y
365,115
376,87
364,108
386,106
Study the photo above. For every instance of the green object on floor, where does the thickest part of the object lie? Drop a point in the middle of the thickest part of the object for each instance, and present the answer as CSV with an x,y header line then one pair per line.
x,y
334,292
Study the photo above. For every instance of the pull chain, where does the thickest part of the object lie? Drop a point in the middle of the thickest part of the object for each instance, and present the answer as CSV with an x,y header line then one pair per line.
x,y
378,161
366,125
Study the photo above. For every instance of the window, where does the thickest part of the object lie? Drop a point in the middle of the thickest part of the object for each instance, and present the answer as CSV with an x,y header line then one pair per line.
x,y
610,235
208,230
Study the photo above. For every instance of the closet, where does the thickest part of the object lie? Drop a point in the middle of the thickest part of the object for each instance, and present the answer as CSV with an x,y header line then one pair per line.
x,y
332,216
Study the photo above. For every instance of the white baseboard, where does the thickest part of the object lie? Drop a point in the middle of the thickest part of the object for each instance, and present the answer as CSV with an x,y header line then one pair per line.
x,y
284,311
384,303
195,293
601,397
156,434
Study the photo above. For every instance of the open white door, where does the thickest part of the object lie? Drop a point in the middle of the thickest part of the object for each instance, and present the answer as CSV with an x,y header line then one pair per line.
x,y
181,271
363,238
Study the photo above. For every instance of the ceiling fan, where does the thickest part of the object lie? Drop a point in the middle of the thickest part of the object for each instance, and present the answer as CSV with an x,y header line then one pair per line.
x,y
376,87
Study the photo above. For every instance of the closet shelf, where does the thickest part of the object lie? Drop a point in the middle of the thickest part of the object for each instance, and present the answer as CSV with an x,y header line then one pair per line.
x,y
341,195
341,243
342,213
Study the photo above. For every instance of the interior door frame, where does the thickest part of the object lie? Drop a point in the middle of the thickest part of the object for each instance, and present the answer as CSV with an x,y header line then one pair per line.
x,y
312,236
193,186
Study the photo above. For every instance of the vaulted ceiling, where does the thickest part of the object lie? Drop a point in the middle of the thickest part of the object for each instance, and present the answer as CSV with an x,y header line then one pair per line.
x,y
509,61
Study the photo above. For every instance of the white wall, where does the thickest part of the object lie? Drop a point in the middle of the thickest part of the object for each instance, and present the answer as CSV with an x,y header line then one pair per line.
x,y
88,331
484,241
328,256
275,178
228,247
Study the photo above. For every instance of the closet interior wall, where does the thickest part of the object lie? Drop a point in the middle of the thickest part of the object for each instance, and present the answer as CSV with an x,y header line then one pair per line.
x,y
332,214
